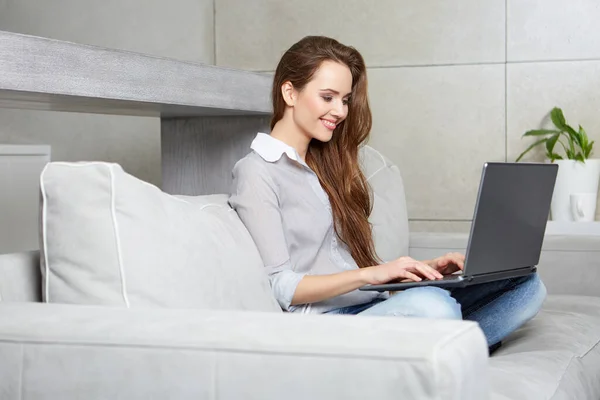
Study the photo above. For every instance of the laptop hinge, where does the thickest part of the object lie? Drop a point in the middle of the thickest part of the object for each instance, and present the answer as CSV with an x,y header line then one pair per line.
x,y
494,276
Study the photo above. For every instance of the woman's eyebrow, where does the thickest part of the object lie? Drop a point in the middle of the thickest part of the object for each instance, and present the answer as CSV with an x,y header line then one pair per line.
x,y
336,92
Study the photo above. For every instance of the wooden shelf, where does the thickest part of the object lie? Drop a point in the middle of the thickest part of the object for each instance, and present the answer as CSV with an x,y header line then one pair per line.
x,y
46,74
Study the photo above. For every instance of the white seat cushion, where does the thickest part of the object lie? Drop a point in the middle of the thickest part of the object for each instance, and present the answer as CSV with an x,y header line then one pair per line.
x,y
554,356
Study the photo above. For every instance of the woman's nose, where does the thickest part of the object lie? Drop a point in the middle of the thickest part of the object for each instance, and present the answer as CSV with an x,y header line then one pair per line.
x,y
338,111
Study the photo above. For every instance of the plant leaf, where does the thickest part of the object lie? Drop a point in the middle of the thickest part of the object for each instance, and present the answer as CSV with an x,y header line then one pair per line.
x,y
559,121
540,132
588,151
584,138
531,147
575,137
554,156
551,142
572,132
579,157
558,118
570,154
563,145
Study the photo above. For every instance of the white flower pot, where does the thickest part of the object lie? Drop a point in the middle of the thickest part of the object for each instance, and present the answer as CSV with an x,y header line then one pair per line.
x,y
574,180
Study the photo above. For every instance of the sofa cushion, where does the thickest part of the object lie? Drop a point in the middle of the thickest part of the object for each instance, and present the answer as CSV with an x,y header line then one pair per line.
x,y
554,356
109,238
389,216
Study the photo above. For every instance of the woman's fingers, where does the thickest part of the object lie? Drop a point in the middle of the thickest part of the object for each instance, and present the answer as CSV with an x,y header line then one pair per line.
x,y
459,260
416,271
411,276
460,265
428,272
451,262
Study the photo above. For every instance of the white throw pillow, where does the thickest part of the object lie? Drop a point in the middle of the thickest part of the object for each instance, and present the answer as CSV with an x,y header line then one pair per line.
x,y
109,238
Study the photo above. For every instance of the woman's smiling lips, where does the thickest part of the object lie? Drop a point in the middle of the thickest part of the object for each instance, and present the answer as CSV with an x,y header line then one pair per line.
x,y
328,124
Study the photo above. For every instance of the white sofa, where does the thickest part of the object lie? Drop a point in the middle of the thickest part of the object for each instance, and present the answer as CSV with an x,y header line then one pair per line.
x,y
137,294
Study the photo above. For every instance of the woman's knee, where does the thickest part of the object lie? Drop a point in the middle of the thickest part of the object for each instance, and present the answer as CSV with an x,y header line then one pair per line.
x,y
429,302
533,292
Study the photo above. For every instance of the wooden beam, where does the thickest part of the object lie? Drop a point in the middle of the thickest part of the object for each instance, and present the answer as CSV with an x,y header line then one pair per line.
x,y
46,74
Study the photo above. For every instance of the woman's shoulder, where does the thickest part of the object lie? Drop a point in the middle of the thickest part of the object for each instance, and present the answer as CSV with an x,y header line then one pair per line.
x,y
252,174
249,165
252,168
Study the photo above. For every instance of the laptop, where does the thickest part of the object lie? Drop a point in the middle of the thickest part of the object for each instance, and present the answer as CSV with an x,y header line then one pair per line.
x,y
509,222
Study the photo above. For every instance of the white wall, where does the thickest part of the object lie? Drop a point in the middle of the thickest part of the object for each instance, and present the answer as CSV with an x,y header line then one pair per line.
x,y
181,29
452,83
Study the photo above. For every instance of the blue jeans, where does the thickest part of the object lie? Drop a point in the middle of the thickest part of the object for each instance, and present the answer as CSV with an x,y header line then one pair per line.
x,y
500,307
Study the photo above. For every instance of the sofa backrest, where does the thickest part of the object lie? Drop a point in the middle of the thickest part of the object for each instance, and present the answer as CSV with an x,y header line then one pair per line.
x,y
20,279
389,216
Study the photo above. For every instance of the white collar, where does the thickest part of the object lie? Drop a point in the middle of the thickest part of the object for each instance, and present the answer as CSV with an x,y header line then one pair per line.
x,y
271,149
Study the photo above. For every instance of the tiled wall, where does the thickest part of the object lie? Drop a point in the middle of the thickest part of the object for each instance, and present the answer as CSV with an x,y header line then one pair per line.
x,y
452,83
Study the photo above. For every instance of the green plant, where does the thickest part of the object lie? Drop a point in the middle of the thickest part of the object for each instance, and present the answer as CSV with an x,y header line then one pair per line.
x,y
577,146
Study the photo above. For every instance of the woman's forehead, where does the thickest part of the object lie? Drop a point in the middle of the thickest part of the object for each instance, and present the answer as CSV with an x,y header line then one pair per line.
x,y
333,76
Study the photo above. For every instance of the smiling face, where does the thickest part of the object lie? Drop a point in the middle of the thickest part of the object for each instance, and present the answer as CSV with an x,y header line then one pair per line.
x,y
323,103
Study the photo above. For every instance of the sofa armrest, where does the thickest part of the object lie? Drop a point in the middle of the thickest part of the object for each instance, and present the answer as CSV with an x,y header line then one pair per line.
x,y
569,264
161,353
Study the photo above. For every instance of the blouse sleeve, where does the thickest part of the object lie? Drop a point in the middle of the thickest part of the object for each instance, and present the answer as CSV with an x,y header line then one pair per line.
x,y
254,198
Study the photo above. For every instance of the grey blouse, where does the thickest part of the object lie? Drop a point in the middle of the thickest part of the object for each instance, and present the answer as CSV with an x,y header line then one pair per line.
x,y
282,204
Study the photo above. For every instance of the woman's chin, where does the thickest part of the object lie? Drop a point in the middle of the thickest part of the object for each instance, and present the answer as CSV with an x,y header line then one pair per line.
x,y
323,136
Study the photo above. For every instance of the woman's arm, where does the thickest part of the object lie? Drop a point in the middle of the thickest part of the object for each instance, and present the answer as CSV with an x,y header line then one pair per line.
x,y
315,288
255,199
256,202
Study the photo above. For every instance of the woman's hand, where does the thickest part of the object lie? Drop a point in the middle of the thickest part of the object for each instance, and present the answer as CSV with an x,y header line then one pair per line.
x,y
404,268
448,264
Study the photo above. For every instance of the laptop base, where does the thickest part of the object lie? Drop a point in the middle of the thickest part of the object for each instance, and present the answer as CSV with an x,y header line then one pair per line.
x,y
453,281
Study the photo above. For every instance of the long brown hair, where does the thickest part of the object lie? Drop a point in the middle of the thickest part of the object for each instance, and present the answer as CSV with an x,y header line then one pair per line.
x,y
336,162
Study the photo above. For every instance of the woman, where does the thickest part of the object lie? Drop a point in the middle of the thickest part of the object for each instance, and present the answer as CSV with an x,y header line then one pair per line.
x,y
306,204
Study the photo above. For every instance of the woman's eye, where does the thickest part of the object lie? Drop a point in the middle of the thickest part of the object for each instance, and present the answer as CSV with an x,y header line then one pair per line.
x,y
329,98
